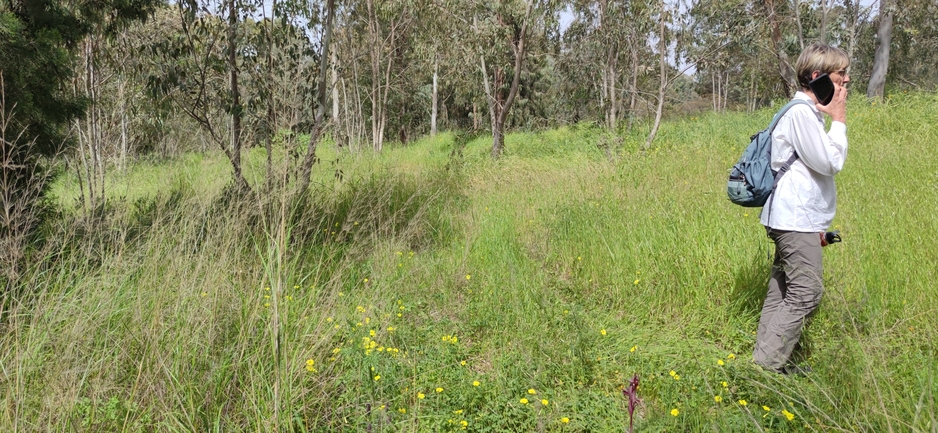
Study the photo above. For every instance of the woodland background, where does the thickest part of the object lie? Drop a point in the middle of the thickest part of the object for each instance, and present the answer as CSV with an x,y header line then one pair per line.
x,y
447,215
100,84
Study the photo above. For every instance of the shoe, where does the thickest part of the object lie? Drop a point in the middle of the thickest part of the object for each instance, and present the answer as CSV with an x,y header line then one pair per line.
x,y
797,370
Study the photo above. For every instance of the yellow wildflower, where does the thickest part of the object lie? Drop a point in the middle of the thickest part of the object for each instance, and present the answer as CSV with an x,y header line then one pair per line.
x,y
602,331
377,377
524,401
545,402
717,398
421,395
675,412
743,403
439,390
476,383
720,362
532,391
788,415
766,408
564,420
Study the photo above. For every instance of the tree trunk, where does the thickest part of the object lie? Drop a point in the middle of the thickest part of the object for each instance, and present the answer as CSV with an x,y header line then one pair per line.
x,y
786,72
662,86
726,89
380,86
87,166
433,111
825,14
335,86
489,97
877,85
853,9
501,115
121,95
306,168
234,153
271,122
797,8
611,80
714,90
633,85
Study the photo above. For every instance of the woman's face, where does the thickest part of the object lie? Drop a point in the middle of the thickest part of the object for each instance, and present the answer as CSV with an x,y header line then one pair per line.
x,y
840,77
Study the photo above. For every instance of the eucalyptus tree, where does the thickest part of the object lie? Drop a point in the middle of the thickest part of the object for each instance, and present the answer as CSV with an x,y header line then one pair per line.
x,y
725,43
239,79
38,39
610,35
195,65
502,34
915,42
877,83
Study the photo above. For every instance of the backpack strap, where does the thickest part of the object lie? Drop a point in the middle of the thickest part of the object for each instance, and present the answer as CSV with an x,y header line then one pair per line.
x,y
794,156
778,176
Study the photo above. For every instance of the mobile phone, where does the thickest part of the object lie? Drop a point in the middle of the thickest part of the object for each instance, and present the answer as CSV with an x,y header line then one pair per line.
x,y
823,89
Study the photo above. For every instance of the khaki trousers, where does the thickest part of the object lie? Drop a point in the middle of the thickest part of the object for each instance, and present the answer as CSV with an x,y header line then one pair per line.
x,y
795,290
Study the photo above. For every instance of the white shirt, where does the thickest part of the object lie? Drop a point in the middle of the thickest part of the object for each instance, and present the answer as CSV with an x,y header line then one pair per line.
x,y
805,198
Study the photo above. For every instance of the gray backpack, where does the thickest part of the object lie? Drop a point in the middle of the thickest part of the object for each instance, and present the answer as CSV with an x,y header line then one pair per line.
x,y
752,179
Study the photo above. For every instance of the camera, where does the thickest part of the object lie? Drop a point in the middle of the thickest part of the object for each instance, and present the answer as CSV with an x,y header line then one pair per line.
x,y
831,237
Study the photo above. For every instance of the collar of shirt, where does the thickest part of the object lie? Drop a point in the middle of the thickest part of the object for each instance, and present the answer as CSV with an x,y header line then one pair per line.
x,y
804,96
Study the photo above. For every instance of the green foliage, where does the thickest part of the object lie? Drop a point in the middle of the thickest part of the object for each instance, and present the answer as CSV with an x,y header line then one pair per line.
x,y
429,287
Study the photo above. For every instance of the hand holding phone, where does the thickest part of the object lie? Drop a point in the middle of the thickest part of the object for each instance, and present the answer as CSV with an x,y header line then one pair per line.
x,y
831,98
823,89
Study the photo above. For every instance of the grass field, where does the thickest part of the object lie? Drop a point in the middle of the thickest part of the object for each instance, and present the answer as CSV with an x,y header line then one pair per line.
x,y
433,289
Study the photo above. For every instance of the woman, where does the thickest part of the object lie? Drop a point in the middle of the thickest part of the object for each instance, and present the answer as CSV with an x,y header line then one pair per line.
x,y
803,205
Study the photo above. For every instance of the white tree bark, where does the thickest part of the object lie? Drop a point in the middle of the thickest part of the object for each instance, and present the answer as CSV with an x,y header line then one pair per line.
x,y
663,73
433,113
877,84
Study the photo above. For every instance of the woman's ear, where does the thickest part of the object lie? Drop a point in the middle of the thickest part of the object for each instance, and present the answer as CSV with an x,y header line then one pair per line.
x,y
815,74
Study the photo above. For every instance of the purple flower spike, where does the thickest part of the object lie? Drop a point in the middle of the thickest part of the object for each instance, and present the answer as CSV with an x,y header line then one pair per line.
x,y
631,393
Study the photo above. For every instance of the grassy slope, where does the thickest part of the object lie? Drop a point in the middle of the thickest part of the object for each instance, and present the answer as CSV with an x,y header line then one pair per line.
x,y
555,269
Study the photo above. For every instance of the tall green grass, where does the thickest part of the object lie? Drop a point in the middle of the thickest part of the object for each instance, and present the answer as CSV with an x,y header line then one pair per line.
x,y
430,288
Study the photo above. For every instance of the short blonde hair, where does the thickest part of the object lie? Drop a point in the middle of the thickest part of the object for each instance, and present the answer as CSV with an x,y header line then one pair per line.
x,y
819,57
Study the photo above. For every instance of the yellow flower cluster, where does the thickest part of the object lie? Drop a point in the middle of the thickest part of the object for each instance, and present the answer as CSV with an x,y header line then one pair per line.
x,y
310,365
788,415
369,346
450,339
